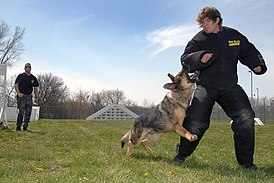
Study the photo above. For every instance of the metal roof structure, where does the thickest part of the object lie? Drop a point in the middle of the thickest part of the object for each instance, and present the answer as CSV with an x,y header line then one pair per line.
x,y
257,121
113,112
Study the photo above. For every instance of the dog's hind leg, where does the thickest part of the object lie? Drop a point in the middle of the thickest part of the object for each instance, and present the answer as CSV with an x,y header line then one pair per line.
x,y
186,134
150,139
148,149
143,136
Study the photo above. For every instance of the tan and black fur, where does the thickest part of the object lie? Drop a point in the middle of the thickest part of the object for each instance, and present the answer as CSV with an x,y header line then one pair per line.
x,y
168,116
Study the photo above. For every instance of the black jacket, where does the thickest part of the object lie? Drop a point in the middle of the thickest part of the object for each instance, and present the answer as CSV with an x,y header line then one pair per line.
x,y
228,47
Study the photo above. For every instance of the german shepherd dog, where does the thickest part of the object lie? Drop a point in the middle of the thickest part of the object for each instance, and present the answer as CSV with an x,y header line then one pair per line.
x,y
168,116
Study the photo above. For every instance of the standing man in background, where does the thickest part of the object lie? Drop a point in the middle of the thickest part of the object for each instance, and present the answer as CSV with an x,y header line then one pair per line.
x,y
215,52
25,84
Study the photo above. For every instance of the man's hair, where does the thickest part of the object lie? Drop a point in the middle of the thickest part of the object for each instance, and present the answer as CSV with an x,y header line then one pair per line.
x,y
209,12
27,64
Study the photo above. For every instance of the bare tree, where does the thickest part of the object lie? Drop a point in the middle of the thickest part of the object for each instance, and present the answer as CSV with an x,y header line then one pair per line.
x,y
95,101
112,97
129,102
52,92
99,100
147,104
81,104
10,91
11,47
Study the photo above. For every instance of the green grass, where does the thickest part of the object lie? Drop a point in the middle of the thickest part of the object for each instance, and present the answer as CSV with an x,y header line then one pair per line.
x,y
89,151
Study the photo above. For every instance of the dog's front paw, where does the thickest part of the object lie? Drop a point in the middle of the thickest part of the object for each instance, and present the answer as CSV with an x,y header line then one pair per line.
x,y
193,138
129,148
129,153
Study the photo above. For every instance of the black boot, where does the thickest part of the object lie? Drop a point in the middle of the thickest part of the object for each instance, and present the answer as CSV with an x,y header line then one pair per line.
x,y
250,166
18,128
178,159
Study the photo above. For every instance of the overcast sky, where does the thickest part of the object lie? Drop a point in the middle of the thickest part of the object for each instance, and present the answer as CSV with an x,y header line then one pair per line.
x,y
130,45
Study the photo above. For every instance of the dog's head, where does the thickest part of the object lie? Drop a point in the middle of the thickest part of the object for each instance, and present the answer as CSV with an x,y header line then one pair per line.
x,y
181,81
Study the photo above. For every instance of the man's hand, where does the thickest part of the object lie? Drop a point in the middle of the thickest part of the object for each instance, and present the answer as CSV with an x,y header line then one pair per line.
x,y
36,101
206,57
20,94
257,69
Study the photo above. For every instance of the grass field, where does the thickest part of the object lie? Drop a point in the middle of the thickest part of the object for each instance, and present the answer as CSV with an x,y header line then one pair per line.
x,y
89,151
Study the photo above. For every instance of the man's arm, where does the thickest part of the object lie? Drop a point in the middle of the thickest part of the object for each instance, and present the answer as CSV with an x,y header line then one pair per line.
x,y
16,86
36,94
251,57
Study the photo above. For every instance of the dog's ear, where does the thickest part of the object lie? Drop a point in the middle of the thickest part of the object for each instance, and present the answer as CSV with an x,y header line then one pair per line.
x,y
169,86
171,76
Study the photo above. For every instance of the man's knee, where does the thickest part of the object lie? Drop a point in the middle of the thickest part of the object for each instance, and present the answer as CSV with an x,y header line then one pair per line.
x,y
245,119
244,115
196,127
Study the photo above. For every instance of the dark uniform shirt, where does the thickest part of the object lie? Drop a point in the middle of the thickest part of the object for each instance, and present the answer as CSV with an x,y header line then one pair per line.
x,y
228,47
26,83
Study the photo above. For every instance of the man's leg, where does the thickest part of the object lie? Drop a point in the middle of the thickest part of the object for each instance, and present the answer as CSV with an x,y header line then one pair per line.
x,y
19,121
28,108
21,111
197,120
27,117
237,106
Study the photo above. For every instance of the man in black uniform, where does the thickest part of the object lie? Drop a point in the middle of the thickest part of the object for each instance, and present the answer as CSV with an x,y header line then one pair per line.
x,y
215,52
25,83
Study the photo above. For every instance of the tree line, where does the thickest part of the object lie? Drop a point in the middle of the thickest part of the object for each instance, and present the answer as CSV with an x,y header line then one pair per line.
x,y
57,102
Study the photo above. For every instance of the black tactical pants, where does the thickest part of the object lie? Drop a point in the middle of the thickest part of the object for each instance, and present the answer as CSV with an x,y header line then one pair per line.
x,y
236,105
24,105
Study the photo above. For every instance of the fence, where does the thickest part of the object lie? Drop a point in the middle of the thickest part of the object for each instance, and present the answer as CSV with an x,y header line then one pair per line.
x,y
264,109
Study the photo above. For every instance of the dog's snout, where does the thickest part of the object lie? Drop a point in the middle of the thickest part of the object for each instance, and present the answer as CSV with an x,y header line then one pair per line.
x,y
193,77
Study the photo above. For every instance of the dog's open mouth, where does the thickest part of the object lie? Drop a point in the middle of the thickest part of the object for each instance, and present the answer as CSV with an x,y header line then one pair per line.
x,y
193,77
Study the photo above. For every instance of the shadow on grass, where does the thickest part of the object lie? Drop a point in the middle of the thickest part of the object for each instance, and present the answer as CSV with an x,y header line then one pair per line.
x,y
268,170
223,170
149,157
34,132
7,129
193,164
12,130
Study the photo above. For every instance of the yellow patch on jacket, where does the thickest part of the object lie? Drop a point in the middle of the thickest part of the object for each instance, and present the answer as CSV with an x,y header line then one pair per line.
x,y
234,42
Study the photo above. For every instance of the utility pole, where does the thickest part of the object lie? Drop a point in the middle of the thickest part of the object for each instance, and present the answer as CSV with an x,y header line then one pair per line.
x,y
257,90
251,87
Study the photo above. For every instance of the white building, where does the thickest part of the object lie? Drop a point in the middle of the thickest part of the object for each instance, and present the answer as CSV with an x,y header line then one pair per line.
x,y
113,112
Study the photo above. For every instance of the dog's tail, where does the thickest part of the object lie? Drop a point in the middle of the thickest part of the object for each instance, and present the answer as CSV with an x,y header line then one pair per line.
x,y
125,139
123,144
